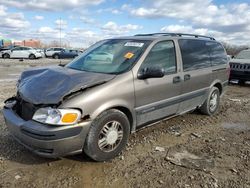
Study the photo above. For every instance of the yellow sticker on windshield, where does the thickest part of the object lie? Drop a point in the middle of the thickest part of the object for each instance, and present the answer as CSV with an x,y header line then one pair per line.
x,y
129,55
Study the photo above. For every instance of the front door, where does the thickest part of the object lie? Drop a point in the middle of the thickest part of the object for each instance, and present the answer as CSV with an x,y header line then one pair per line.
x,y
15,52
156,98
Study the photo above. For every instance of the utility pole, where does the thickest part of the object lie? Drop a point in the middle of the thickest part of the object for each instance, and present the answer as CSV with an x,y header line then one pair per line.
x,y
60,27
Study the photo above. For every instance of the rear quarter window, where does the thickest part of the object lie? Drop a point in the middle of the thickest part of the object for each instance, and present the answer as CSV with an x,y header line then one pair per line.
x,y
217,53
195,54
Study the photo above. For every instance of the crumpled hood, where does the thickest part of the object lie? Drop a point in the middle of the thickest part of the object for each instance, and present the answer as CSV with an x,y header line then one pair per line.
x,y
50,85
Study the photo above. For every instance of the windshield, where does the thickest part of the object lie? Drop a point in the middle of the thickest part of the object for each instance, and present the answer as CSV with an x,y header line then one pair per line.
x,y
112,56
243,55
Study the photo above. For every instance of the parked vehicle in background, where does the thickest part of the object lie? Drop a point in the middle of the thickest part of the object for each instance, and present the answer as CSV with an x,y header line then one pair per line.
x,y
40,50
93,106
66,53
4,49
100,56
21,52
240,67
51,51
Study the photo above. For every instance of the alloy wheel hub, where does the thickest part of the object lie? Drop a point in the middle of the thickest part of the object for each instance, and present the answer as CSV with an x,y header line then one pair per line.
x,y
213,101
112,137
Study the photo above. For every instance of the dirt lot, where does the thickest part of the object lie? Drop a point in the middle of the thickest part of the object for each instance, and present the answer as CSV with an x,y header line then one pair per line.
x,y
192,150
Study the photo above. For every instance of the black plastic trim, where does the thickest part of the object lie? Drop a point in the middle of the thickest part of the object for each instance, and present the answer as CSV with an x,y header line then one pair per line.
x,y
170,103
154,121
53,135
215,70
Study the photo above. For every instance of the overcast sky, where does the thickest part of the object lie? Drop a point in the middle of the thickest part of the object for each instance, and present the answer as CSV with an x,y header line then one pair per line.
x,y
86,21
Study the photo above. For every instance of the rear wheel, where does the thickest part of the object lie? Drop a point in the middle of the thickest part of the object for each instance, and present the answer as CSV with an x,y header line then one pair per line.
x,y
56,56
32,56
211,105
6,56
107,136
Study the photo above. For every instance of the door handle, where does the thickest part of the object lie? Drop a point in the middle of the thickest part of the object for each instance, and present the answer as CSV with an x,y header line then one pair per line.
x,y
176,79
187,77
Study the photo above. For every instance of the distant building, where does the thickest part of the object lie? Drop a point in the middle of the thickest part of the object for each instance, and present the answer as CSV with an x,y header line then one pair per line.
x,y
30,43
4,42
17,43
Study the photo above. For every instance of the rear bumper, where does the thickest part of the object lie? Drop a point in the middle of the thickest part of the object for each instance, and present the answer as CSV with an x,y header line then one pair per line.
x,y
45,140
38,55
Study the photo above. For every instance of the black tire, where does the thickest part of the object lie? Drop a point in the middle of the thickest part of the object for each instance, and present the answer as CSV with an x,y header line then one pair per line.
x,y
32,56
241,82
210,109
93,142
6,56
56,56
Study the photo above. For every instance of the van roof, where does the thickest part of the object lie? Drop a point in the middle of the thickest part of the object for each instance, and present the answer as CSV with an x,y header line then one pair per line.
x,y
153,36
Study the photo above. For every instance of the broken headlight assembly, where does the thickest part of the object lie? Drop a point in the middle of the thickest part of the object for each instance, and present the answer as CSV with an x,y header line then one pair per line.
x,y
55,116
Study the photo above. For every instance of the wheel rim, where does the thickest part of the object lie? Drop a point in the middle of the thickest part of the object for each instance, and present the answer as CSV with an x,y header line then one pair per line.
x,y
213,101
110,136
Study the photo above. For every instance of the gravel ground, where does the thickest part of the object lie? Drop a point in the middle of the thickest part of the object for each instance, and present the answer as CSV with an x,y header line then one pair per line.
x,y
191,150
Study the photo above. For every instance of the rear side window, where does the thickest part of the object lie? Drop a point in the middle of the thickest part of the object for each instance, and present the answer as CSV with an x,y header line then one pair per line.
x,y
162,55
195,54
217,53
24,48
17,49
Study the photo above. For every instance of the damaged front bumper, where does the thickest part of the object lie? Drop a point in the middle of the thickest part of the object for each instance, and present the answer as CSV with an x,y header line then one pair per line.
x,y
45,140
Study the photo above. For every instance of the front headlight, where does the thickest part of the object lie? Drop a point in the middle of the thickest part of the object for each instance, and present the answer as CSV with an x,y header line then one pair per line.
x,y
55,116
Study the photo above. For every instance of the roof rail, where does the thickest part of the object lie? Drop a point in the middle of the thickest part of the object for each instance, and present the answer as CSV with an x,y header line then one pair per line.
x,y
176,34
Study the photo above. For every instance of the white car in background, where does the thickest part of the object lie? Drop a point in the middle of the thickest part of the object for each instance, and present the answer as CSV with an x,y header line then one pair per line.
x,y
21,52
101,56
51,51
40,50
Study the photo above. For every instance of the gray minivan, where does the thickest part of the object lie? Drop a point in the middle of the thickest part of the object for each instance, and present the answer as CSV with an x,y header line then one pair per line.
x,y
114,88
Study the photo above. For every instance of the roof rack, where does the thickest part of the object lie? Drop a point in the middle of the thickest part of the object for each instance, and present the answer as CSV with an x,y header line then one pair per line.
x,y
176,34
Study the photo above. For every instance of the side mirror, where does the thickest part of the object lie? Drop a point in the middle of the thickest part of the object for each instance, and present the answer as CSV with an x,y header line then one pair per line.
x,y
151,72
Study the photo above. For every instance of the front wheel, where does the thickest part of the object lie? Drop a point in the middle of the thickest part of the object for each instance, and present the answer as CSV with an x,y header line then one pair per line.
x,y
6,56
108,135
211,105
